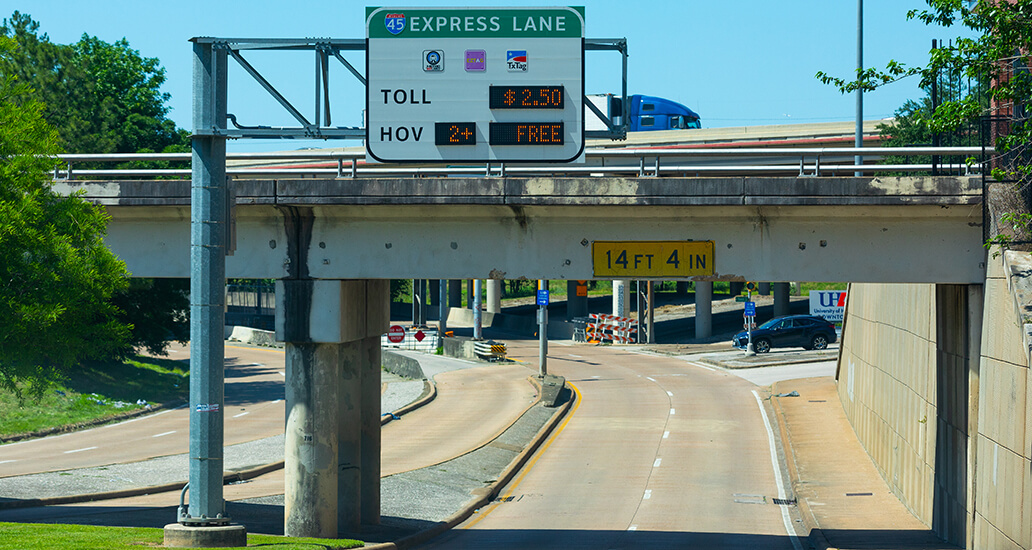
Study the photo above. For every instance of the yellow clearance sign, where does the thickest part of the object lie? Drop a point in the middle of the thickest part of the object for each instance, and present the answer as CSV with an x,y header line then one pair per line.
x,y
652,259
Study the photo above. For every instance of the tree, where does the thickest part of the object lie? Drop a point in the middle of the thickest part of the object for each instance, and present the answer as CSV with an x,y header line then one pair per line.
x,y
101,97
998,55
106,98
57,278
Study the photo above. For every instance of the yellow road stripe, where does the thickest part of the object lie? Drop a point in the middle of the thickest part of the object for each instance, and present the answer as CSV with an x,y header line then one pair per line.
x,y
533,461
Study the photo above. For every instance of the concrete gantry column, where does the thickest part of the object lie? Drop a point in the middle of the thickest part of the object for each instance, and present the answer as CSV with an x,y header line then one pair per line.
x,y
763,289
455,293
703,309
377,321
310,462
494,296
736,287
470,290
782,302
576,299
331,467
621,297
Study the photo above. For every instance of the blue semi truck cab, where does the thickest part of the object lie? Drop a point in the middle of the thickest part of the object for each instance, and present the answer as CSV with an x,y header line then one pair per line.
x,y
647,113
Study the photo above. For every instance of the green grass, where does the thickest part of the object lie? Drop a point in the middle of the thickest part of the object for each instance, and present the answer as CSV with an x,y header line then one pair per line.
x,y
96,391
41,536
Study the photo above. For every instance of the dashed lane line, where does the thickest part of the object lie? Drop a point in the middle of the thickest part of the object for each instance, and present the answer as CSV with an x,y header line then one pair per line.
x,y
164,434
79,450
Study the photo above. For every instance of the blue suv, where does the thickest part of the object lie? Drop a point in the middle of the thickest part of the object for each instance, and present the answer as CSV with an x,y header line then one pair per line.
x,y
805,331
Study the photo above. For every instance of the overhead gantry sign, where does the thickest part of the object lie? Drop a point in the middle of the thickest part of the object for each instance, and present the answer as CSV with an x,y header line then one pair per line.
x,y
475,84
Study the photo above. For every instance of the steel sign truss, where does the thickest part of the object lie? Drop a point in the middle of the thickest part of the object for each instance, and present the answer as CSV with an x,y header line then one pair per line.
x,y
320,125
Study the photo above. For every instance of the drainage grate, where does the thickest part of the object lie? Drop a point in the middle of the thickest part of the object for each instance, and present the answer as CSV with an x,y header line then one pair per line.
x,y
859,494
818,401
784,501
741,498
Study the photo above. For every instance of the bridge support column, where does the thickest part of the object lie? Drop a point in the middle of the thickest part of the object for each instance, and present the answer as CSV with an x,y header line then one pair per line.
x,y
576,299
782,303
470,292
621,297
332,330
494,296
703,309
736,287
435,295
763,289
455,293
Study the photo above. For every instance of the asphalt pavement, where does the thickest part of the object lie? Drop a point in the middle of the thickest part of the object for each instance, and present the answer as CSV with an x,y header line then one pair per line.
x,y
827,466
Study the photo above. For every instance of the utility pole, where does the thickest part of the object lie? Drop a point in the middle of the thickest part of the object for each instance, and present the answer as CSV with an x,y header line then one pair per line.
x,y
859,139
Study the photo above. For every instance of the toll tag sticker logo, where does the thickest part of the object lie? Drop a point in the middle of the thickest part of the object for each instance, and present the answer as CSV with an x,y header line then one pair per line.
x,y
516,61
476,60
395,22
433,60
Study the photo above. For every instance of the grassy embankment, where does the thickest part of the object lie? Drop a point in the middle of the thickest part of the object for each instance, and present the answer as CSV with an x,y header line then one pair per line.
x,y
35,536
96,392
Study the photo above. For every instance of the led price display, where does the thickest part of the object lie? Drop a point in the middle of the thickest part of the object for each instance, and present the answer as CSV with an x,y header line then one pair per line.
x,y
526,97
455,133
526,133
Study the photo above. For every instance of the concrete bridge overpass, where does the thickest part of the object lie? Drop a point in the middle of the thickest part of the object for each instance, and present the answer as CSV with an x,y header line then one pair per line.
x,y
860,229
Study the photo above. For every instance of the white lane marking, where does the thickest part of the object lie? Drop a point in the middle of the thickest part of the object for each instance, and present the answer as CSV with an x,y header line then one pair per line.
x,y
650,378
164,434
79,450
277,401
666,435
701,366
648,494
632,528
104,427
283,374
577,356
672,412
670,393
789,528
6,461
239,415
657,463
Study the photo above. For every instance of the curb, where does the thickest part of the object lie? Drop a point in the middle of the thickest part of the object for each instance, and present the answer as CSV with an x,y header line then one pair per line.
x,y
92,423
429,391
488,493
816,535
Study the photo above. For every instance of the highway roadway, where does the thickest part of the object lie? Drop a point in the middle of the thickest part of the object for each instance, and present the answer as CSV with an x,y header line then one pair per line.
x,y
254,410
656,453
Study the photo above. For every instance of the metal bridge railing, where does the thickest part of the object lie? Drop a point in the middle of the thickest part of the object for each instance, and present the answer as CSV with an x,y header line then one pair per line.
x,y
640,162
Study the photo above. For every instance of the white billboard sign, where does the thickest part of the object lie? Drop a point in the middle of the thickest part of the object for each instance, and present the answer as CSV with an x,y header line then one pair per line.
x,y
475,84
830,304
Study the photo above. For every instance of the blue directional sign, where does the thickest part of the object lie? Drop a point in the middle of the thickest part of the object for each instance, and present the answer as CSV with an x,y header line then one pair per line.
x,y
542,298
750,309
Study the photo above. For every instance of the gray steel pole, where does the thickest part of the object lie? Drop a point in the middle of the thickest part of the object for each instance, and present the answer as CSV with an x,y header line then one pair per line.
x,y
442,323
478,323
543,333
208,199
859,139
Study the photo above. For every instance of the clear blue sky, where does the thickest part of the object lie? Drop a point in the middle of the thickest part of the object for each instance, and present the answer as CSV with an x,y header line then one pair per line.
x,y
736,63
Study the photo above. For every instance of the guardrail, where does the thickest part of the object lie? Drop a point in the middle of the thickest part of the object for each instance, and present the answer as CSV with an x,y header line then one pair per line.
x,y
639,162
490,350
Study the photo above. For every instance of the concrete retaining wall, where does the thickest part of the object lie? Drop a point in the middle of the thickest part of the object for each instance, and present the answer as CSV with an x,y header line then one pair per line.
x,y
1002,481
887,385
935,380
401,365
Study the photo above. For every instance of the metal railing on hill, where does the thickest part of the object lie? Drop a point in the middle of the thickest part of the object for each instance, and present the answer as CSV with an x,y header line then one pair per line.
x,y
638,162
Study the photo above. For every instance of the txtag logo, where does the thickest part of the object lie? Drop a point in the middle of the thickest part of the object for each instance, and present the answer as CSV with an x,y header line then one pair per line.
x,y
516,61
395,22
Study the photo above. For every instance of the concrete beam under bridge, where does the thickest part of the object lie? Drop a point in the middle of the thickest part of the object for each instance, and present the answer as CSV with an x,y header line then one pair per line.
x,y
914,229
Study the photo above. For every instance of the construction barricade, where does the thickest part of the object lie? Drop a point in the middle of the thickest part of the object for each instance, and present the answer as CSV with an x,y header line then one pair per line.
x,y
618,330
